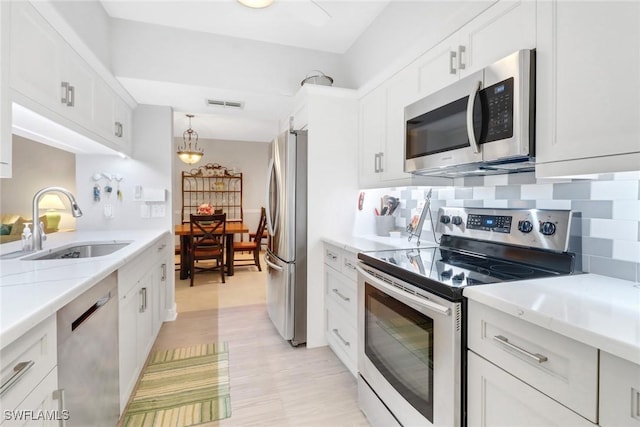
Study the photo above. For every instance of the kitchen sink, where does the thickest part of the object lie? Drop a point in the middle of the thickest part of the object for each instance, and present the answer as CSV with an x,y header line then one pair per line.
x,y
84,250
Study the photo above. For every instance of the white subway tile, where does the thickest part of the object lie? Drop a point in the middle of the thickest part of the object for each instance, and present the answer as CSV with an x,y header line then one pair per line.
x,y
493,180
553,204
626,251
614,190
484,193
496,204
537,192
614,229
626,209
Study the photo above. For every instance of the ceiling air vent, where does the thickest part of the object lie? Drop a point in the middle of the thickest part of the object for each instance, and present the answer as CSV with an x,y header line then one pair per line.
x,y
224,104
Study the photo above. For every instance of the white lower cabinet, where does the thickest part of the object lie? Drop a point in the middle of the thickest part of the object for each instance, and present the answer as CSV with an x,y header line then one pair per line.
x,y
29,394
141,285
619,392
496,398
340,282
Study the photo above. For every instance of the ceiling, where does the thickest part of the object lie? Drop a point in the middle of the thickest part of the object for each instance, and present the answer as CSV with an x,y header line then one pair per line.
x,y
319,25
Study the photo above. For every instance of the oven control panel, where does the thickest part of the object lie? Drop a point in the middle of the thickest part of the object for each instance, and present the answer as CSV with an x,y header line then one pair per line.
x,y
544,229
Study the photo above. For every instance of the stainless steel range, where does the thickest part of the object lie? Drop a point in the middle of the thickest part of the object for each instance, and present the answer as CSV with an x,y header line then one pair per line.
x,y
411,309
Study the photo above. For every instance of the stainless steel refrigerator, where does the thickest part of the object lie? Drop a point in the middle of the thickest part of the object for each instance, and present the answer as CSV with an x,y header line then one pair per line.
x,y
286,256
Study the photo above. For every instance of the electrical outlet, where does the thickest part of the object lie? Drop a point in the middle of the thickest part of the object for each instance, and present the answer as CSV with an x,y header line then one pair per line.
x,y
158,211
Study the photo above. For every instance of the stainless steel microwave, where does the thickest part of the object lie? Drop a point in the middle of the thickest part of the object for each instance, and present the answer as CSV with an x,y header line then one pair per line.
x,y
482,124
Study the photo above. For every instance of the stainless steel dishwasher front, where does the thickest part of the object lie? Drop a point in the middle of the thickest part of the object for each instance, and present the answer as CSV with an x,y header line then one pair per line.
x,y
88,356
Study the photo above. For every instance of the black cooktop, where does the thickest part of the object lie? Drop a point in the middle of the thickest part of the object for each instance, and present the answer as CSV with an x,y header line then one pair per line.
x,y
446,270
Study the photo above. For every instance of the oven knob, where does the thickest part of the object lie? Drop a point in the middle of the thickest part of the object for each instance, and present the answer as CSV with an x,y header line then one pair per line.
x,y
445,219
547,228
456,220
458,278
525,226
446,274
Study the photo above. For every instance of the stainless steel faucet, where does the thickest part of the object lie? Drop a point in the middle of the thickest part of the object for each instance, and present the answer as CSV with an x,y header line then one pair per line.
x,y
38,229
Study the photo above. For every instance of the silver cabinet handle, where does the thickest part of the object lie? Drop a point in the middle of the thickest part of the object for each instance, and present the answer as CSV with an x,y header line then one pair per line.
x,y
337,292
380,168
117,129
59,396
452,57
18,372
163,272
345,342
535,356
332,256
375,162
72,96
470,104
461,64
143,300
64,97
349,265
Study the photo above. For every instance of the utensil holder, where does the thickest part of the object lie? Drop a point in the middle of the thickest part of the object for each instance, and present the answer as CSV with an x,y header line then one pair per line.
x,y
385,224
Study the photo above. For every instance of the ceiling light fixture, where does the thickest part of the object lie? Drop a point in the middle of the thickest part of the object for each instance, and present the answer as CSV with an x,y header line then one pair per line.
x,y
186,153
256,4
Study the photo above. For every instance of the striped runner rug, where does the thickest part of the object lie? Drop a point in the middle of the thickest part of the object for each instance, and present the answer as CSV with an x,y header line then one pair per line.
x,y
182,387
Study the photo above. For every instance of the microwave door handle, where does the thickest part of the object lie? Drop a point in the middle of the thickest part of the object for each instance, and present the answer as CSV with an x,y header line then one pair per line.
x,y
470,105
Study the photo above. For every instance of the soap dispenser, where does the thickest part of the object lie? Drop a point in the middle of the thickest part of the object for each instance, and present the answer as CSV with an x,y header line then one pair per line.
x,y
27,238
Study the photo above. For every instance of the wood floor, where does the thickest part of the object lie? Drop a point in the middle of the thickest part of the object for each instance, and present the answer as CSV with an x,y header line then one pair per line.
x,y
272,383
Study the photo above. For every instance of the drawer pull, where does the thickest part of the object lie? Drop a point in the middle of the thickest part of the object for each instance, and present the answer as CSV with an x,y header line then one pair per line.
x,y
18,372
349,265
337,292
535,356
345,342
332,256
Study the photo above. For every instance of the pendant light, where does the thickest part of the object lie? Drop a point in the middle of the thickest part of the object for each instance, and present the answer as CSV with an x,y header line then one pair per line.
x,y
186,153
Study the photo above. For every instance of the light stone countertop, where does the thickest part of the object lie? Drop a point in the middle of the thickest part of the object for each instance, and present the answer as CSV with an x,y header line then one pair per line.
x,y
31,291
373,243
599,311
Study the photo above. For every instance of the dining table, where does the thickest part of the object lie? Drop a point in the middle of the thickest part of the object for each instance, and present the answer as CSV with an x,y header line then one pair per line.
x,y
184,231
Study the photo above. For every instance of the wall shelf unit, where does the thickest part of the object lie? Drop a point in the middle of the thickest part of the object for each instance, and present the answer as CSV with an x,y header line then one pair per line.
x,y
213,184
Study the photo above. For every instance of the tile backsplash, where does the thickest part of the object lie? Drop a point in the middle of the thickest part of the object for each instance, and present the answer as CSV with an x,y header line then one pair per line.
x,y
609,206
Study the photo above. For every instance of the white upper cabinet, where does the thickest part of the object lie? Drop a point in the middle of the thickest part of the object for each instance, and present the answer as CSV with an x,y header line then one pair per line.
x,y
50,77
588,87
502,29
5,104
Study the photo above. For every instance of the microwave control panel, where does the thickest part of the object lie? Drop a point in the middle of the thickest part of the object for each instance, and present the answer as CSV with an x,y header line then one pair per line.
x,y
498,100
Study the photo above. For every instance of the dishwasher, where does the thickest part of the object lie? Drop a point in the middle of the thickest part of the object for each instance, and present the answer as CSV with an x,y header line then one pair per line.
x,y
88,356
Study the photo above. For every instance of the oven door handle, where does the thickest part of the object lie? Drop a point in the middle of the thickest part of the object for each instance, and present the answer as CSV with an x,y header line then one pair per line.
x,y
393,291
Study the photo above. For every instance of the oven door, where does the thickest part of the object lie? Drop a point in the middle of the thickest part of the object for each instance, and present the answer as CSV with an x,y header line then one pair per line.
x,y
409,350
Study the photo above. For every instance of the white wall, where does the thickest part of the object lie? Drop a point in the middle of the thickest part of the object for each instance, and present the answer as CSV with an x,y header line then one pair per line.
x,y
250,158
150,167
36,166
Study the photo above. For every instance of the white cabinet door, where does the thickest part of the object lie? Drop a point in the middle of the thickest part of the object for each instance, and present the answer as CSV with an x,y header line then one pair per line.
x,y
127,341
81,79
122,122
619,392
438,67
144,328
372,134
39,408
5,104
401,90
501,30
498,399
36,59
588,89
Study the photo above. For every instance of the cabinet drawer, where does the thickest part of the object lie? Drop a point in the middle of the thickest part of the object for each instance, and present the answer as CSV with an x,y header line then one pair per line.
x,y
349,263
495,398
619,392
333,256
342,338
41,403
559,367
342,292
26,361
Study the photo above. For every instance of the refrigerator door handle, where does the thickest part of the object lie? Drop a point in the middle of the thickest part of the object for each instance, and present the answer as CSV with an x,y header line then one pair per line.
x,y
271,172
270,264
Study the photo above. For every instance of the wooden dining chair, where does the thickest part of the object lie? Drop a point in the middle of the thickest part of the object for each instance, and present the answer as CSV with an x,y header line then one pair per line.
x,y
207,237
253,245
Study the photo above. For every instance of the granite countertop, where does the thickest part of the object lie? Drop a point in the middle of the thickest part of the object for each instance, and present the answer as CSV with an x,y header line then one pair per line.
x,y
373,243
599,311
31,291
